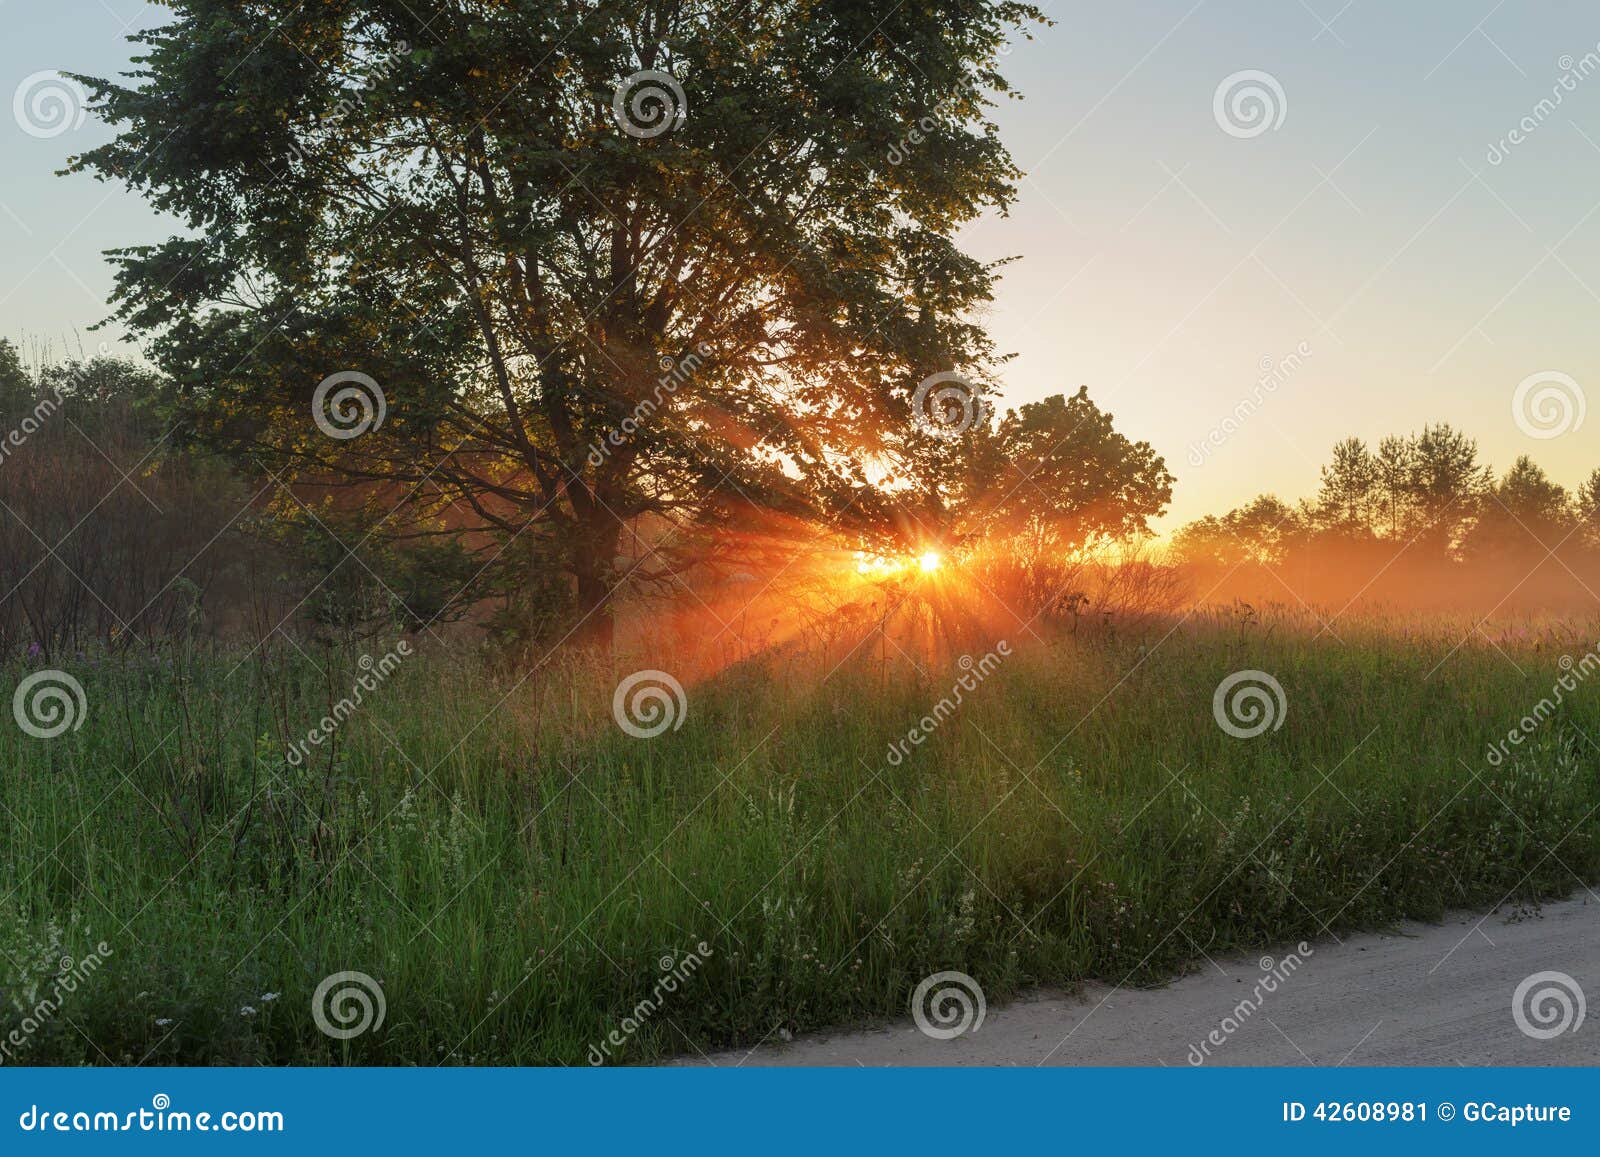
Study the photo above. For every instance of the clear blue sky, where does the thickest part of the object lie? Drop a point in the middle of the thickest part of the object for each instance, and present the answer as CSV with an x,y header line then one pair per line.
x,y
1165,260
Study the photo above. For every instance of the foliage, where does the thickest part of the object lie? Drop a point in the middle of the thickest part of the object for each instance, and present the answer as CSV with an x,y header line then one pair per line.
x,y
1045,483
1524,510
1258,532
109,535
440,195
16,387
1588,506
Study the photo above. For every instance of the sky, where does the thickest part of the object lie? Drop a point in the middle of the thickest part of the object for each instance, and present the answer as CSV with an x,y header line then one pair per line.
x,y
1398,232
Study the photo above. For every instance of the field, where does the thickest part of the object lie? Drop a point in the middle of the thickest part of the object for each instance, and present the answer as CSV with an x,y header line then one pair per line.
x,y
518,874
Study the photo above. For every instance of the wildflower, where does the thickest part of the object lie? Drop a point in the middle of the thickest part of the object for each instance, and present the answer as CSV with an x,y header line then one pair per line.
x,y
247,1010
268,997
163,1021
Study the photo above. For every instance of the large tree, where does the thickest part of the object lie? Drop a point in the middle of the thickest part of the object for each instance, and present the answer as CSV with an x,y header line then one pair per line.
x,y
603,260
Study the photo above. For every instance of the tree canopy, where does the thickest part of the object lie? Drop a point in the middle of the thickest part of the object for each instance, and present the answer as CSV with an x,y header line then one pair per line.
x,y
559,266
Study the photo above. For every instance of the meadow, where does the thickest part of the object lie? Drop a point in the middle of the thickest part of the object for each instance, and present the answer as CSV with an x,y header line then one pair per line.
x,y
518,873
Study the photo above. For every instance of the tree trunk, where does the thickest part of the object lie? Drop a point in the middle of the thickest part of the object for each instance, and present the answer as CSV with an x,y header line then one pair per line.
x,y
596,629
594,568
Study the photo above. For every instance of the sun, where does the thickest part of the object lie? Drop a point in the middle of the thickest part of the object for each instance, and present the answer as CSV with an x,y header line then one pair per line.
x,y
880,566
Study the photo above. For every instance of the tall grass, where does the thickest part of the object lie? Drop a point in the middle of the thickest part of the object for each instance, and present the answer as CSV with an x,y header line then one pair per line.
x,y
513,868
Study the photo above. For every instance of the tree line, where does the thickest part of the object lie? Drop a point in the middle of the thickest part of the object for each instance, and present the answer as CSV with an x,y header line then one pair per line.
x,y
120,523
1417,505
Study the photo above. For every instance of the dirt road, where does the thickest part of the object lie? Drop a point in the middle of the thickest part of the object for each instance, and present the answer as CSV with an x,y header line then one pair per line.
x,y
1422,995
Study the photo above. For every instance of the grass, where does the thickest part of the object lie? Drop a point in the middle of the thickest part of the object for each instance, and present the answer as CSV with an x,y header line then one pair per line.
x,y
513,868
